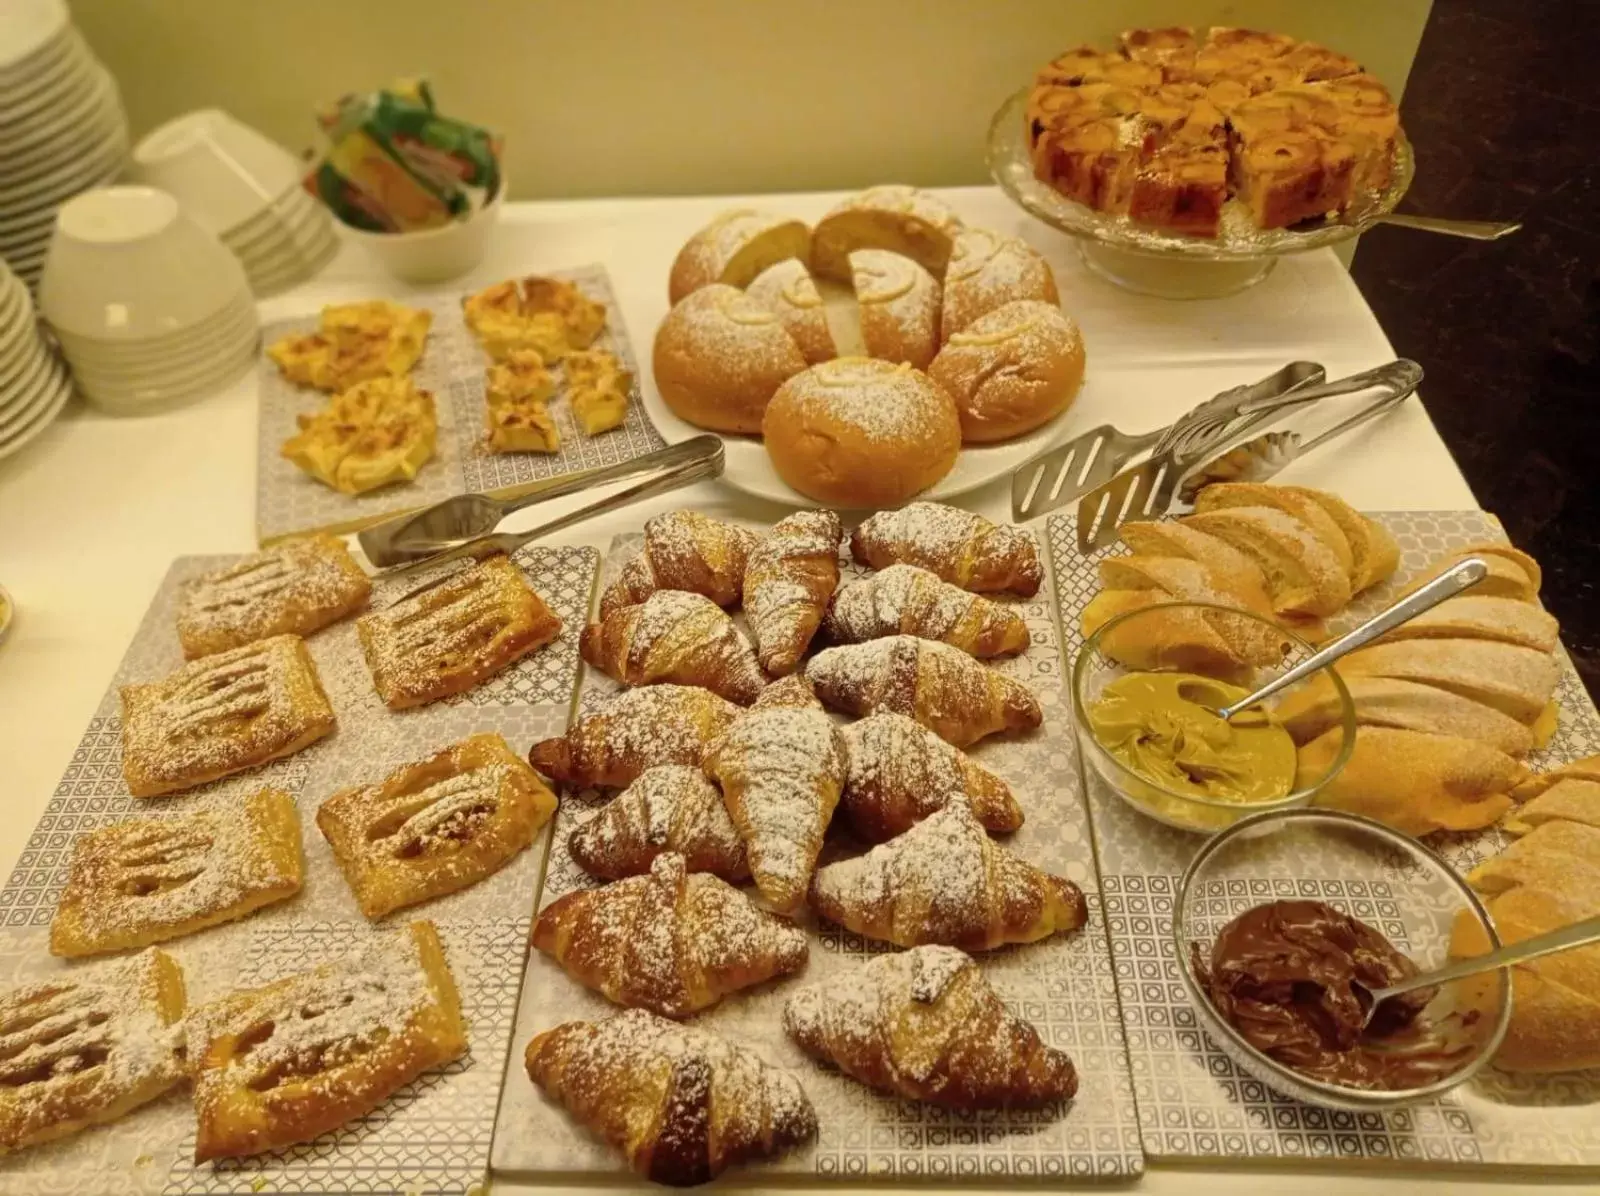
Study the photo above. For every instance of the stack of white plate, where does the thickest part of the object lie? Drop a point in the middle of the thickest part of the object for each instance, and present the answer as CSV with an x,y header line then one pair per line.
x,y
62,127
244,188
34,385
150,309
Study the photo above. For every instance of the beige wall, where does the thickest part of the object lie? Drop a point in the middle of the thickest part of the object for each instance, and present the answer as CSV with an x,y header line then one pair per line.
x,y
629,97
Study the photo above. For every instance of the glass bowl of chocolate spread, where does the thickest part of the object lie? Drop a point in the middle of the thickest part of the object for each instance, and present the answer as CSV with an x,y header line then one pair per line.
x,y
1285,921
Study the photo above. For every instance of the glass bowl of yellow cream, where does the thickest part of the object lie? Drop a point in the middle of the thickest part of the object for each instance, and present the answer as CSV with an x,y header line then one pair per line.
x,y
1146,687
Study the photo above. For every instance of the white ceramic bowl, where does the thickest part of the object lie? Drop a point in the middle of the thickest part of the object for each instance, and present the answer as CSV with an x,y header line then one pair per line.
x,y
126,264
222,171
28,28
122,396
435,254
192,344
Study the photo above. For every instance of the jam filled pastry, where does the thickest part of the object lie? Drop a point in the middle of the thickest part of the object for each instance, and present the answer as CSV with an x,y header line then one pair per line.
x,y
297,587
221,714
85,1047
436,826
147,880
906,600
456,634
636,730
669,808
681,1104
683,550
297,1058
674,636
924,1024
674,942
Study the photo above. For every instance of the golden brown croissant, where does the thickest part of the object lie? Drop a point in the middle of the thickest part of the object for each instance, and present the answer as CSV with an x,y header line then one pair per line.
x,y
945,881
907,600
941,687
636,730
792,574
781,772
900,772
683,550
670,808
675,636
673,941
924,1024
793,691
962,548
681,1104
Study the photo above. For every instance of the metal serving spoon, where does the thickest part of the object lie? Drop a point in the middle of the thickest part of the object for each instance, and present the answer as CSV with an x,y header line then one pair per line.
x,y
1448,584
1568,938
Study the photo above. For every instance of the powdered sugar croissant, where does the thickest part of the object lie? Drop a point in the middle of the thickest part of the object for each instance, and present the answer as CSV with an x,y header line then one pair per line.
x,y
924,1024
636,730
906,600
793,572
945,881
674,942
958,546
684,550
672,808
678,637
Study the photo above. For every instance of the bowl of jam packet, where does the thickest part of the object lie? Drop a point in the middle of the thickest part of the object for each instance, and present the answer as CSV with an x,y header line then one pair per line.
x,y
1283,925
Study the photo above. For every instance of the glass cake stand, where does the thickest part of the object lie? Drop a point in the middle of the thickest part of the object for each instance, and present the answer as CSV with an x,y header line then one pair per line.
x,y
1174,265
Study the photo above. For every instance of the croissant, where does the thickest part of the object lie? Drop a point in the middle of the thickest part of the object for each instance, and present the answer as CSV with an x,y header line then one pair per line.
x,y
636,730
670,808
683,550
906,600
924,1024
962,548
781,772
793,691
941,687
945,881
792,573
673,941
681,1104
900,772
674,636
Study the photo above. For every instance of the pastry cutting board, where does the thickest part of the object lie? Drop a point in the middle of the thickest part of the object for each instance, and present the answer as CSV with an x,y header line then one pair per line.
x,y
1064,985
433,1135
1194,1104
289,500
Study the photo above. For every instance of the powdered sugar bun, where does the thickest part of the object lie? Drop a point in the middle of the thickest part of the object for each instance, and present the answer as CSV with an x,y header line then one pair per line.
x,y
788,289
734,248
987,271
899,307
891,216
1012,370
719,356
861,433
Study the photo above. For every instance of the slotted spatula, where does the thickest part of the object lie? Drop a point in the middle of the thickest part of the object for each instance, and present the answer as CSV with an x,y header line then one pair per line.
x,y
1065,473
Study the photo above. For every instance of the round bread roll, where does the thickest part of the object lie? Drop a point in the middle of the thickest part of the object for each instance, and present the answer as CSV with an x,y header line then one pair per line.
x,y
734,248
893,217
789,290
719,356
987,271
898,304
1016,368
861,433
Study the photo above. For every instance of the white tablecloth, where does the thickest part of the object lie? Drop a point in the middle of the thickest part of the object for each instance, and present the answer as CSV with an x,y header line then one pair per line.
x,y
91,516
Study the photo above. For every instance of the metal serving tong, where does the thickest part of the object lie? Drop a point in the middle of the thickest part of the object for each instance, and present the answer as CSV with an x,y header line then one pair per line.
x,y
1147,491
668,469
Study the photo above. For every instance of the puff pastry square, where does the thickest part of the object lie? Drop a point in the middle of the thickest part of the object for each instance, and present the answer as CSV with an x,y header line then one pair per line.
x,y
151,879
435,826
455,635
87,1046
297,587
302,1056
221,714
355,342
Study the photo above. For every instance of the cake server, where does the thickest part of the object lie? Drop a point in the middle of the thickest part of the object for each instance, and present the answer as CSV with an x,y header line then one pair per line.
x,y
1147,491
423,533
1059,475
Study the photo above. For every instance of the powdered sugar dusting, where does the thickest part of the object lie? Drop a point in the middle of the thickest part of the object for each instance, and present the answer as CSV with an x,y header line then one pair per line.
x,y
673,808
958,546
722,324
792,572
639,729
900,599
299,586
886,403
899,773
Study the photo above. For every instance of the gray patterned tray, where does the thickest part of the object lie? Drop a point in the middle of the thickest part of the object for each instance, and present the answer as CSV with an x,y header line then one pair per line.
x,y
434,1135
1063,985
1193,1102
288,500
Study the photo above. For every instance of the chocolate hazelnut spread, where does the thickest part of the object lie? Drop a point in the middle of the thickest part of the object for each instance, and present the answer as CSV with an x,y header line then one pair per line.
x,y
1281,974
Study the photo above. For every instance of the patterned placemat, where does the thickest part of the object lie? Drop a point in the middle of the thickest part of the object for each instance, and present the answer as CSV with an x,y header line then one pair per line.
x,y
434,1135
1063,985
1194,1103
289,500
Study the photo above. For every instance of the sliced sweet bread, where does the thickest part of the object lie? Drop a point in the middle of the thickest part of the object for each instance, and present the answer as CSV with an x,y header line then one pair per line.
x,y
1507,578
1303,574
1473,616
1518,681
1571,799
1508,552
1311,709
1587,769
1291,502
1374,555
1230,568
1190,581
1175,639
